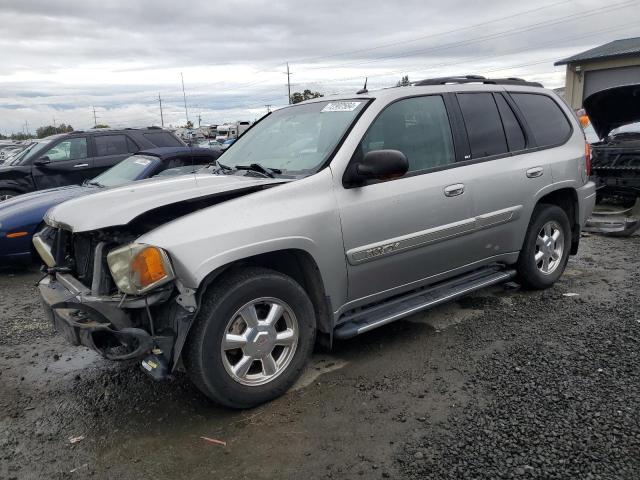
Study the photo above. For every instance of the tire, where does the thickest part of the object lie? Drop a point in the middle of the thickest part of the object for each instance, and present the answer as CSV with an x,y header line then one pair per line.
x,y
6,194
540,274
210,364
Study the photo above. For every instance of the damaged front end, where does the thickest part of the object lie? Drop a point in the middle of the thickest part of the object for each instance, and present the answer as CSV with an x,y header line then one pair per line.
x,y
114,296
616,172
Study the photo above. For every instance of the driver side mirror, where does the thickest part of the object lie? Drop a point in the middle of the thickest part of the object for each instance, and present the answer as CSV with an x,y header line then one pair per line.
x,y
42,161
378,165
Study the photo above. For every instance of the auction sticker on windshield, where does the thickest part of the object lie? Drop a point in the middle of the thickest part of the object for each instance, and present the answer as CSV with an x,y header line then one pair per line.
x,y
142,161
341,107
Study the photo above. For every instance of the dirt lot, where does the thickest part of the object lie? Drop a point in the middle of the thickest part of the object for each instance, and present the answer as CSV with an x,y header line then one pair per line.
x,y
503,384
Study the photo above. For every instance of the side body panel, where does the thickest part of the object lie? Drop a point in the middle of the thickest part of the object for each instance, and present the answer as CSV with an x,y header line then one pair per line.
x,y
297,215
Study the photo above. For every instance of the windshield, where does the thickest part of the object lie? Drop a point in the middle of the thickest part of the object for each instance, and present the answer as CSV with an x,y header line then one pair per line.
x,y
295,140
31,151
126,171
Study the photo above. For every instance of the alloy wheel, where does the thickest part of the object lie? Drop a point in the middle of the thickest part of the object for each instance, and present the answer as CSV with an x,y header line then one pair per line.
x,y
549,247
259,341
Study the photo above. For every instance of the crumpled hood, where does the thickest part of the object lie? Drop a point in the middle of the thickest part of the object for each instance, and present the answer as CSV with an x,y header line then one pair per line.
x,y
120,205
612,108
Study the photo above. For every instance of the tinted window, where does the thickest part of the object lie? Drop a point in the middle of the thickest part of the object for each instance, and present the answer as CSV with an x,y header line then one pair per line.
x,y
133,148
484,128
418,127
71,149
163,139
546,120
111,145
512,129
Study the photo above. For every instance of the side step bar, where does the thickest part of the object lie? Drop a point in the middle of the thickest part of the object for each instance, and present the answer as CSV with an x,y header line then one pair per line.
x,y
361,321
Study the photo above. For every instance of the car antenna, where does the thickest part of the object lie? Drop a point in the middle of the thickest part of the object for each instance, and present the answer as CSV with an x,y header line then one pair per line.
x,y
364,89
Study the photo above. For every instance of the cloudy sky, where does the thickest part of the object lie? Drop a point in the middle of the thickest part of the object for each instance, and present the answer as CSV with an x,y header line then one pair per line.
x,y
59,60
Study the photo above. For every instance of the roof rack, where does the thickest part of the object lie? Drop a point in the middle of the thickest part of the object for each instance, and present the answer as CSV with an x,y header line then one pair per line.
x,y
476,79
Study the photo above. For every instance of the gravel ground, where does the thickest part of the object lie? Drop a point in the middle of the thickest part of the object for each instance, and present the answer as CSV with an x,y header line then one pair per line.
x,y
502,384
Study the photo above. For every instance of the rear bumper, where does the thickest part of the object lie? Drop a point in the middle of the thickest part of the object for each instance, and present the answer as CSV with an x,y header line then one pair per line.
x,y
586,201
85,320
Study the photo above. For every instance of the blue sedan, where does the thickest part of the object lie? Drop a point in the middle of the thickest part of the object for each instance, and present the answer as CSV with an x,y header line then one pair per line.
x,y
21,217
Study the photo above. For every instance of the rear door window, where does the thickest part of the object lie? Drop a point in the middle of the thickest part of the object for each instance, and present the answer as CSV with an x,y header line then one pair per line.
x,y
418,127
483,124
512,128
545,118
162,139
111,145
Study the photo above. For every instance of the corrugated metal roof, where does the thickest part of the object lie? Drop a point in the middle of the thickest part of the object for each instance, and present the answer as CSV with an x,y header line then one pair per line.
x,y
617,48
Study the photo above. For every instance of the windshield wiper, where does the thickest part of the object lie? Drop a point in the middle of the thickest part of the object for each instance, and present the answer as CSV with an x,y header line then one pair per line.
x,y
256,167
93,183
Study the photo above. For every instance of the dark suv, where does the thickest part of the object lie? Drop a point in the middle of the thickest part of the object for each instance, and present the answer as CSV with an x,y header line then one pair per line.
x,y
71,158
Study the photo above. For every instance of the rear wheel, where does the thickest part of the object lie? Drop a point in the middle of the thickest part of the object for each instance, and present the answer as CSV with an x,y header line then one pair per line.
x,y
546,248
251,339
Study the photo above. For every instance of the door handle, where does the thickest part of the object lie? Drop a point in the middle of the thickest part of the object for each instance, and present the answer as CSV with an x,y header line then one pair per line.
x,y
535,172
81,165
454,190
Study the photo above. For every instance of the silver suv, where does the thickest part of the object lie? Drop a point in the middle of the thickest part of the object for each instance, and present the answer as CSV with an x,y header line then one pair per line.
x,y
323,221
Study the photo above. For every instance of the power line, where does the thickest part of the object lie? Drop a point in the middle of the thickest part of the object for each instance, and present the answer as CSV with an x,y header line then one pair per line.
x,y
437,34
492,36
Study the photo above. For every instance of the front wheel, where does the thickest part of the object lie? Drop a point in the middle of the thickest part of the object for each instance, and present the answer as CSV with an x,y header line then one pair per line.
x,y
546,247
251,339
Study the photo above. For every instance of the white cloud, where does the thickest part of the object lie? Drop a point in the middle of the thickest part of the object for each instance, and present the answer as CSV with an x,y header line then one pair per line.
x,y
61,60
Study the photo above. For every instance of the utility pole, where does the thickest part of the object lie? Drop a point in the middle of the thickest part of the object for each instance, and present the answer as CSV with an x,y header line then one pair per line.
x,y
289,83
54,124
268,108
184,96
199,120
161,116
26,127
95,120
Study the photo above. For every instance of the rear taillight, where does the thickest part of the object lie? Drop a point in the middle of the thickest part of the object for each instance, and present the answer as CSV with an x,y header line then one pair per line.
x,y
587,158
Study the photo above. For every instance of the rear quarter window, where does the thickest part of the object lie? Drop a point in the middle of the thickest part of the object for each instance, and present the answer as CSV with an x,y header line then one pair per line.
x,y
547,121
162,139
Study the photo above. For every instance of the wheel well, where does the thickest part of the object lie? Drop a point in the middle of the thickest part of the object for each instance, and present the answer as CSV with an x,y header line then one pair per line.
x,y
567,199
298,265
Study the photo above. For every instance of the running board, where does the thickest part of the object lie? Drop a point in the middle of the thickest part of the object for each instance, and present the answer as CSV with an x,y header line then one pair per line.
x,y
401,307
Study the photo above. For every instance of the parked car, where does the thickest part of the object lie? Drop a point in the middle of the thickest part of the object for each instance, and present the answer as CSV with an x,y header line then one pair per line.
x,y
410,197
227,143
21,217
210,144
72,158
615,118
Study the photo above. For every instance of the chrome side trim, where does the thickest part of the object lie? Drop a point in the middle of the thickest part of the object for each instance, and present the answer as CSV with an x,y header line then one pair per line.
x,y
375,251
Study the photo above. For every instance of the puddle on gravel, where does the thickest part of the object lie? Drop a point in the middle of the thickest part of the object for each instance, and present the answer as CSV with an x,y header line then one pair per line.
x,y
319,365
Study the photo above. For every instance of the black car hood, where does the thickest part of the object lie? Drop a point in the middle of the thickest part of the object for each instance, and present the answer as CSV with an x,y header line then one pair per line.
x,y
612,108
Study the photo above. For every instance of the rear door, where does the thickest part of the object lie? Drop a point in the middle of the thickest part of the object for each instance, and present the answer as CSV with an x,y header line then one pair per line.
x,y
508,167
69,163
400,232
111,149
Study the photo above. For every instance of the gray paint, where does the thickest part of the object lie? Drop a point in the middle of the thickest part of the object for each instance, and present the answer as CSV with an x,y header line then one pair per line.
x,y
318,215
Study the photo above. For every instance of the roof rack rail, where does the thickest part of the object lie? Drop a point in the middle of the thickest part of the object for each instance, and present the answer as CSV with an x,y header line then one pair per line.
x,y
476,79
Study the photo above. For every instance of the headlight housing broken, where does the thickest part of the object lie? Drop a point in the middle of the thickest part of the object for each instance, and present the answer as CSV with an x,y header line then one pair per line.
x,y
137,268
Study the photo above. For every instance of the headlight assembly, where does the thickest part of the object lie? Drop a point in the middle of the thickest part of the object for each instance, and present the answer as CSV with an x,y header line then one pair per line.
x,y
137,268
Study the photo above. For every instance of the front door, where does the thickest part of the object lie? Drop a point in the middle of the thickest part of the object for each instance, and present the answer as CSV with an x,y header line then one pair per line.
x,y
67,163
400,232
